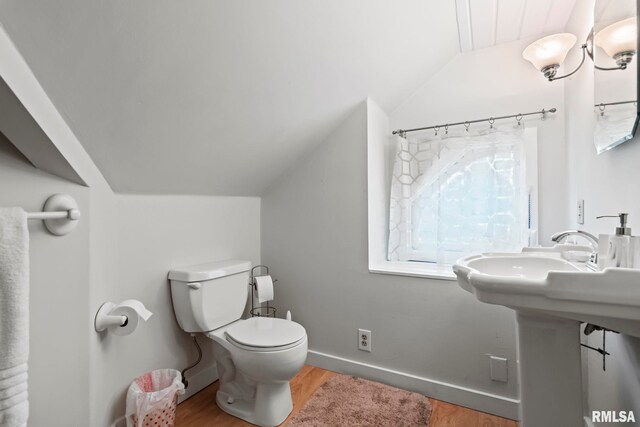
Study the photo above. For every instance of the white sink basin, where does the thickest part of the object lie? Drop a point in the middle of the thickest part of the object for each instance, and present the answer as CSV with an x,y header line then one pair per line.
x,y
551,296
524,266
543,282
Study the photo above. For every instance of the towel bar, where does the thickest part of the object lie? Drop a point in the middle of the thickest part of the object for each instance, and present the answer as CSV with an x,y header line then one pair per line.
x,y
60,214
70,214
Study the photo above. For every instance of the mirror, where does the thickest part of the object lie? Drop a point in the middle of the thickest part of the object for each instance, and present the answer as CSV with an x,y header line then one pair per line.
x,y
614,44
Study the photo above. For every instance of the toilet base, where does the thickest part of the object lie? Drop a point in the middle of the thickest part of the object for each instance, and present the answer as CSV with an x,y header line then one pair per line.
x,y
270,407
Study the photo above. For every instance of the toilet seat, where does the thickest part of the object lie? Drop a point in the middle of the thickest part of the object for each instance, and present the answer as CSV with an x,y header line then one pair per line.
x,y
264,349
265,334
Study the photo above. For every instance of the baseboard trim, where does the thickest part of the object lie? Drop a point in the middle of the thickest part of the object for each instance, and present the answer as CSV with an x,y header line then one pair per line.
x,y
199,381
470,398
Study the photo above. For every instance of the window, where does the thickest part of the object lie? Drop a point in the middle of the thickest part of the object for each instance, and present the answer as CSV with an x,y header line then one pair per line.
x,y
452,196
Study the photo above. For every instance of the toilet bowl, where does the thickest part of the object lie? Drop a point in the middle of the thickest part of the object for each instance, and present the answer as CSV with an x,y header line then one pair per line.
x,y
257,357
255,373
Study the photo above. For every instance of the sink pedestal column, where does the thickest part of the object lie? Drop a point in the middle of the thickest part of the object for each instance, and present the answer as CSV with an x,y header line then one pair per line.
x,y
550,372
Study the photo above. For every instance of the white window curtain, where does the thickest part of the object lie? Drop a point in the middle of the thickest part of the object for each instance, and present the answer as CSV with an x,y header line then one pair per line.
x,y
458,194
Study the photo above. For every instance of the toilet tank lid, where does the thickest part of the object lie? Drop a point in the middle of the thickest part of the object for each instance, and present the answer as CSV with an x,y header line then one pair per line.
x,y
209,270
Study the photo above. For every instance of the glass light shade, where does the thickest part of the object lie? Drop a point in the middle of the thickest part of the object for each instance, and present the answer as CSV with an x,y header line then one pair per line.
x,y
619,37
550,50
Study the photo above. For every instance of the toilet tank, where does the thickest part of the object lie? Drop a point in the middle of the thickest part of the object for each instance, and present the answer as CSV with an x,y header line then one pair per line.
x,y
209,296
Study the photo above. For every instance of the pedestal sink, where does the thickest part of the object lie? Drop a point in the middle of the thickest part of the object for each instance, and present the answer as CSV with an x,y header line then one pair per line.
x,y
551,296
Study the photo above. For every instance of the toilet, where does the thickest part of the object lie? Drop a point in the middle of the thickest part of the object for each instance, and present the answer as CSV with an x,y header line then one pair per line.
x,y
257,357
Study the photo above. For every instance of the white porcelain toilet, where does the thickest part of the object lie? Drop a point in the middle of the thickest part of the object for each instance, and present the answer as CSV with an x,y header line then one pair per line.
x,y
256,358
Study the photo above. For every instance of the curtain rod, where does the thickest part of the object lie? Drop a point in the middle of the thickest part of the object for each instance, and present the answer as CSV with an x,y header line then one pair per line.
x,y
605,104
518,117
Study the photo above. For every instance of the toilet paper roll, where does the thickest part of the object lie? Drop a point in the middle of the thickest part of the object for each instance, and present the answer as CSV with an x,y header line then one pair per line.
x,y
134,310
264,288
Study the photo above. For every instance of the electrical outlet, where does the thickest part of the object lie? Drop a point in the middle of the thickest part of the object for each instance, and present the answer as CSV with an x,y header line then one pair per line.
x,y
364,340
580,211
498,367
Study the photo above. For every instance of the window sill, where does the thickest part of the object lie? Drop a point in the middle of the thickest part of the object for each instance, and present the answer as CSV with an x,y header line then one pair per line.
x,y
414,269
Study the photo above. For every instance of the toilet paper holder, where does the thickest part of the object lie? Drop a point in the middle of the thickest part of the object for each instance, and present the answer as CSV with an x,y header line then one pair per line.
x,y
121,319
103,319
260,311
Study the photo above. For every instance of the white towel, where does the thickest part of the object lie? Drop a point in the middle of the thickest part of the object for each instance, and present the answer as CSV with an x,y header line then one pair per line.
x,y
14,317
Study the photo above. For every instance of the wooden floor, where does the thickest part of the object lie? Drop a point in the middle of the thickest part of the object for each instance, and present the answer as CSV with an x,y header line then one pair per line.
x,y
201,410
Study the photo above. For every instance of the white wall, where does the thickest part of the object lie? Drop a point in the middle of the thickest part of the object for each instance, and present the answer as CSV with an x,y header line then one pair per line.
x,y
123,248
24,133
155,234
59,293
71,384
313,218
496,81
429,335
381,151
238,84
608,185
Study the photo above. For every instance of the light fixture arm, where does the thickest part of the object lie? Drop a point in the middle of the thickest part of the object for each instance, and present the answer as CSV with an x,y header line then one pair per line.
x,y
622,59
620,67
552,75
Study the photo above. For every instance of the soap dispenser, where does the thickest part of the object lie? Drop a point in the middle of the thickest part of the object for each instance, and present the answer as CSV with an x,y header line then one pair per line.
x,y
620,250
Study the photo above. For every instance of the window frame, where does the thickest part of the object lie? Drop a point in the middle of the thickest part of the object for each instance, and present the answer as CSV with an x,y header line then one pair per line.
x,y
380,157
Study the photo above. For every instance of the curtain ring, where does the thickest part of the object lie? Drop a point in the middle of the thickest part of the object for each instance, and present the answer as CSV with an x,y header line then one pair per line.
x,y
437,128
491,122
466,126
446,129
519,118
602,107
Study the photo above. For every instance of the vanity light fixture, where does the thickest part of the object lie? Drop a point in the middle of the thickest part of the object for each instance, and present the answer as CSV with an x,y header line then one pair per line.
x,y
549,52
618,40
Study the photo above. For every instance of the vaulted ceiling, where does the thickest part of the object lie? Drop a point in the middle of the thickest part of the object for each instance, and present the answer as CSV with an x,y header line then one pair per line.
x,y
485,23
607,11
220,97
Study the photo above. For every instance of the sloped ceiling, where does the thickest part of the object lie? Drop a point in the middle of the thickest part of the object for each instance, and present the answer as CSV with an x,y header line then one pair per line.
x,y
19,128
485,23
220,97
607,11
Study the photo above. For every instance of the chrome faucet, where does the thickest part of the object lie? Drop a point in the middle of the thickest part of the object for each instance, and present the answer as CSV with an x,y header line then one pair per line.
x,y
561,235
593,259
